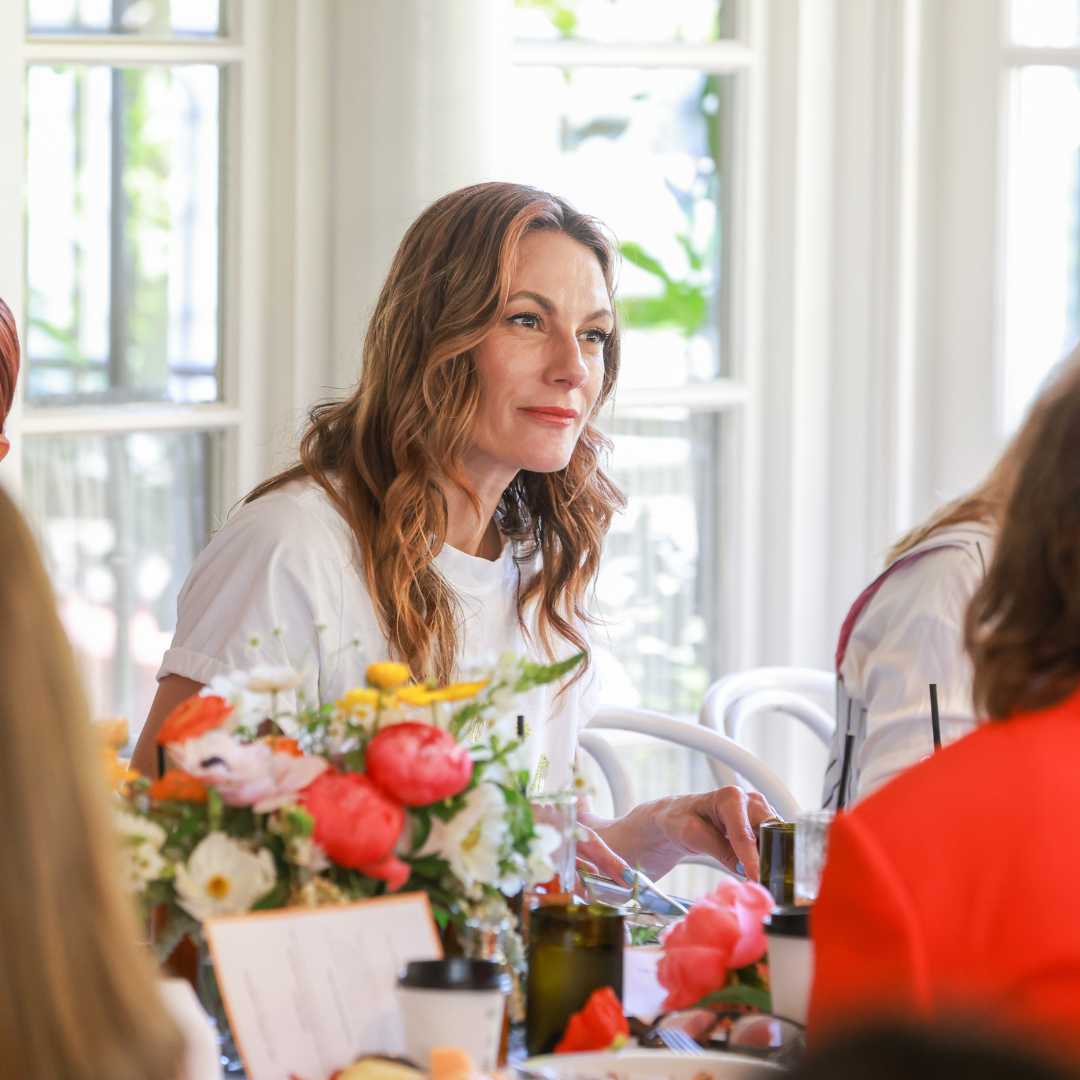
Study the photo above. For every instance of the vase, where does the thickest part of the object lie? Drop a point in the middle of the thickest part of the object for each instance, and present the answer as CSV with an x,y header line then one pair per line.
x,y
209,995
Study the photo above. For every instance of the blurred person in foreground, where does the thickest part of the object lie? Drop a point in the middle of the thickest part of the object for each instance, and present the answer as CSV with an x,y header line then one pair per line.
x,y
9,370
954,887
904,1050
79,997
905,630
453,507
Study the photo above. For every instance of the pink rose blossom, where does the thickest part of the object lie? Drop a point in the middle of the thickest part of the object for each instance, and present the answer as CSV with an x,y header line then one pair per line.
x,y
722,932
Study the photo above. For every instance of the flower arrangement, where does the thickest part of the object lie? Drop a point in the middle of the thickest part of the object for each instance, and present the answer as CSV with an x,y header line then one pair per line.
x,y
713,956
395,786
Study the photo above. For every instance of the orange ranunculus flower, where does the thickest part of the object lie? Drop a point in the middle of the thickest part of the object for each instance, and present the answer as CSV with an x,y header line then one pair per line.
x,y
195,716
283,744
600,1025
117,770
178,786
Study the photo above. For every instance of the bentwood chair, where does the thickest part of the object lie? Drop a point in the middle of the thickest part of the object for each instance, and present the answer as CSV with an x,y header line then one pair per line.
x,y
717,748
807,695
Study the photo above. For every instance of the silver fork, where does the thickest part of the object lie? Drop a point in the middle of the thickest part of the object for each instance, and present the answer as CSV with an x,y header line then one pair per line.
x,y
679,1041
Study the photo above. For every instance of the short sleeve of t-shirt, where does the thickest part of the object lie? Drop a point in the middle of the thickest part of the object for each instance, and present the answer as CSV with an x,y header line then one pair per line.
x,y
267,589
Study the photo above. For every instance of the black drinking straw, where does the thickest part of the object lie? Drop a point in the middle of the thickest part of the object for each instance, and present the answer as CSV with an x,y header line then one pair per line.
x,y
935,720
845,766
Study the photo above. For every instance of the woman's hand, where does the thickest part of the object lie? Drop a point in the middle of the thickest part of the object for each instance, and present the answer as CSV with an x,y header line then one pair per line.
x,y
656,835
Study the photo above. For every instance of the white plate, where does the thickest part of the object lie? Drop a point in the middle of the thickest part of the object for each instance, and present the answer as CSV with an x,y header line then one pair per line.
x,y
651,1065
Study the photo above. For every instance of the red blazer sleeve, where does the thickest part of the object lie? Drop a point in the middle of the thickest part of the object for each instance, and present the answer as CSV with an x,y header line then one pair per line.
x,y
868,953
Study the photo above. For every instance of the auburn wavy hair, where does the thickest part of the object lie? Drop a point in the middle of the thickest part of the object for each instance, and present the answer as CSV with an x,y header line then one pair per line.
x,y
1023,623
385,454
9,361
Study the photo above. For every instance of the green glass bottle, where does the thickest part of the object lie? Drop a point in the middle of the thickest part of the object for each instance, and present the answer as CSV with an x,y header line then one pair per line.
x,y
574,949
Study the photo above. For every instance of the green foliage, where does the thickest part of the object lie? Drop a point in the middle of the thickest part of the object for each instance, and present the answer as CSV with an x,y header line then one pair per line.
x,y
562,14
739,994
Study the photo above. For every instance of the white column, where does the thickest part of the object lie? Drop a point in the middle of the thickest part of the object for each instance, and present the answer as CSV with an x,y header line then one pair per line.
x,y
418,86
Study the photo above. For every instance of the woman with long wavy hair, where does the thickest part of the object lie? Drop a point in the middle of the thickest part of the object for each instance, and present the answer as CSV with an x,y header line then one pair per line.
x,y
79,996
950,892
454,506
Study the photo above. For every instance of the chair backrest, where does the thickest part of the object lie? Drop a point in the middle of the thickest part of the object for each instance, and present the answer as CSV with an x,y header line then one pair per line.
x,y
716,747
796,692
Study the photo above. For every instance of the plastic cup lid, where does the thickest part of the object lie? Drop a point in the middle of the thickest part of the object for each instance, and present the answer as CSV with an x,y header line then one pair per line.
x,y
789,921
454,973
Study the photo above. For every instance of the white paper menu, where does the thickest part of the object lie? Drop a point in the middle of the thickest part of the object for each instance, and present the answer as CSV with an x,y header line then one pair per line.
x,y
308,990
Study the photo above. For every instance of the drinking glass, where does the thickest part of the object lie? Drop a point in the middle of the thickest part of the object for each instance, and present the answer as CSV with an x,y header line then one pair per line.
x,y
776,844
811,847
574,949
559,811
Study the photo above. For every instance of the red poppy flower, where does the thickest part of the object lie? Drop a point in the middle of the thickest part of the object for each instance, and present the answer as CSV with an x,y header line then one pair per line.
x,y
601,1025
195,716
418,764
355,823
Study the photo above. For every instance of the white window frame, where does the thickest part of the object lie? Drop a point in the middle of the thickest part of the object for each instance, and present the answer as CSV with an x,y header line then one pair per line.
x,y
240,414
736,397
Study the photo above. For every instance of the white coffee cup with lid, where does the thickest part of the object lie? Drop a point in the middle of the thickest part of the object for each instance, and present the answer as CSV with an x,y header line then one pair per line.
x,y
454,1002
791,961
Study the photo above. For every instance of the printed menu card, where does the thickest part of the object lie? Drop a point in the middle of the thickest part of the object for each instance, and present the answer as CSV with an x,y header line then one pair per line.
x,y
308,990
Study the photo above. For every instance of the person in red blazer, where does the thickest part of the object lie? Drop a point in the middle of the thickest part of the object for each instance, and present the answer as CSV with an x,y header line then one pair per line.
x,y
954,890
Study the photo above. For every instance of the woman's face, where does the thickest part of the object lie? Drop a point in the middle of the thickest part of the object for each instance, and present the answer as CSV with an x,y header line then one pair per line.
x,y
541,369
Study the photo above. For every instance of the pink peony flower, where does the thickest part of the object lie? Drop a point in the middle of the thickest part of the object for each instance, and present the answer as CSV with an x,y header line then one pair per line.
x,y
418,764
355,823
247,774
722,932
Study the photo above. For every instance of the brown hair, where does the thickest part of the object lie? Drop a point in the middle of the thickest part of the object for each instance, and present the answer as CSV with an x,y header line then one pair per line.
x,y
9,361
384,454
79,994
1023,623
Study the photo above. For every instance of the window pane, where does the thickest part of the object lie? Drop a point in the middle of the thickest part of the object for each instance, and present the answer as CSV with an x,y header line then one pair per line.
x,y
658,588
1045,22
627,21
123,231
647,152
186,18
120,519
1042,275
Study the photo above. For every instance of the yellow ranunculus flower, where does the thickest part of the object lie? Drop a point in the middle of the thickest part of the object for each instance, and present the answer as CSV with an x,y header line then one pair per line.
x,y
461,691
360,698
418,694
387,675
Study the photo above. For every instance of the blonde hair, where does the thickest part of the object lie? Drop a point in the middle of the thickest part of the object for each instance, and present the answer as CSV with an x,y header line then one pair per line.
x,y
78,992
385,453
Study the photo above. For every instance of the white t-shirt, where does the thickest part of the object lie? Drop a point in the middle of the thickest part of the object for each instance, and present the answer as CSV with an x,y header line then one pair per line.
x,y
281,584
910,634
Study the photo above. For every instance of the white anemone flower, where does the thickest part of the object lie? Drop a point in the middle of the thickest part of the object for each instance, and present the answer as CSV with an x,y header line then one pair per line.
x,y
472,840
141,841
267,679
222,877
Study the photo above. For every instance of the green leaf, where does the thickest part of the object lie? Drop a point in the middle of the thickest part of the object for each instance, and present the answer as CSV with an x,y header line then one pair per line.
x,y
739,995
636,255
215,809
541,674
681,307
